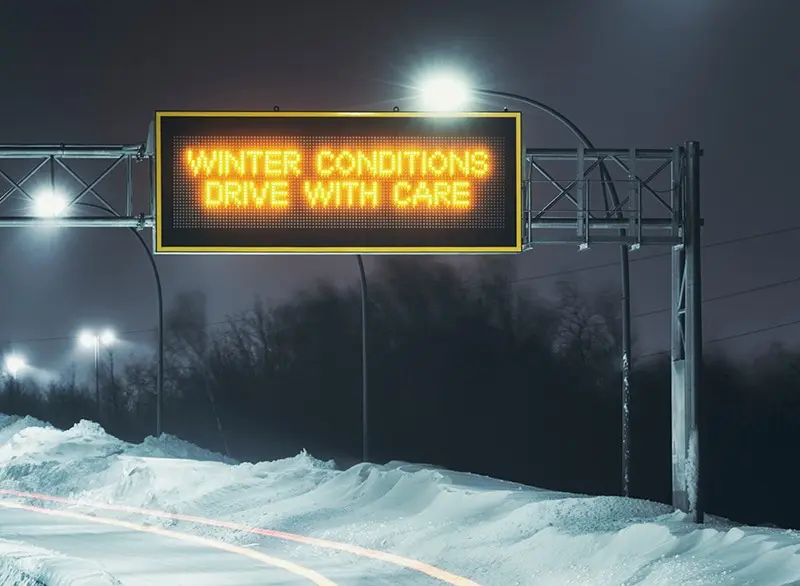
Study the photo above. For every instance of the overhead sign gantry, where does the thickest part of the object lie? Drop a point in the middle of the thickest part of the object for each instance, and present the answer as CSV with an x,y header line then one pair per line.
x,y
391,182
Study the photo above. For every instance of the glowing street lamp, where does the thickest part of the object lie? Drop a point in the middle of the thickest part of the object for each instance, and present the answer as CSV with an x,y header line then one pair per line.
x,y
14,365
445,92
107,338
94,340
87,339
49,203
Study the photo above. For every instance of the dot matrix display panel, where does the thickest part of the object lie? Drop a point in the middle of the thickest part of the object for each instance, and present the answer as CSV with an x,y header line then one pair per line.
x,y
311,182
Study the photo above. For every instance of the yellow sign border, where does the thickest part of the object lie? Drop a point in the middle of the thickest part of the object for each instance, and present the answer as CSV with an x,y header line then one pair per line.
x,y
159,248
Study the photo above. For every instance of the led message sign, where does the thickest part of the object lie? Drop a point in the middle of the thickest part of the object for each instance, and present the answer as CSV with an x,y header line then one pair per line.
x,y
310,182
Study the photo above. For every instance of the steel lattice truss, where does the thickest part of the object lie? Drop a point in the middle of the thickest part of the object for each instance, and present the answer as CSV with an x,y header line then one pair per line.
x,y
30,169
564,192
571,190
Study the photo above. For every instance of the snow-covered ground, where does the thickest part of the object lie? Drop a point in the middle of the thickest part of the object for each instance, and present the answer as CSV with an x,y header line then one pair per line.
x,y
22,564
405,520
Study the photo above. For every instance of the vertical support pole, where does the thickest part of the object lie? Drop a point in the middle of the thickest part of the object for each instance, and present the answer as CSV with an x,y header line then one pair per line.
x,y
160,375
625,362
150,153
528,212
97,375
680,498
677,331
364,370
160,371
676,193
626,371
52,176
694,329
112,380
637,213
128,186
583,200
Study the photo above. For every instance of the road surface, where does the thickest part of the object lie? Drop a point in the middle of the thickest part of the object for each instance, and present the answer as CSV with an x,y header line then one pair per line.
x,y
139,555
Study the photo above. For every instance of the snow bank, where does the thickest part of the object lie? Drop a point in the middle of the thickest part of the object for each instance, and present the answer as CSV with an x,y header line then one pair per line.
x,y
10,425
496,533
25,565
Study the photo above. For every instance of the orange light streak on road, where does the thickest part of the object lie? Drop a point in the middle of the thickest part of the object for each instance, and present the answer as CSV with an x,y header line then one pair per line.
x,y
412,564
296,569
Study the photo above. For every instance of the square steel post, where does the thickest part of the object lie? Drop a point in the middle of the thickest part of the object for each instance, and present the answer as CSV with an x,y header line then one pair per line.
x,y
694,331
678,378
687,343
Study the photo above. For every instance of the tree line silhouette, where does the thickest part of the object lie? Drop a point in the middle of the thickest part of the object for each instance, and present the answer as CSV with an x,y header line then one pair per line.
x,y
466,372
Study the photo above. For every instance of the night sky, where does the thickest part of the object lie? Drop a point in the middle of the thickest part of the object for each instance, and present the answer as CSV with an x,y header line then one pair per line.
x,y
630,73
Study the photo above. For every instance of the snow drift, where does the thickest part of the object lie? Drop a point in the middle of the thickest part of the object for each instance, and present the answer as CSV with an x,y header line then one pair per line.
x,y
495,533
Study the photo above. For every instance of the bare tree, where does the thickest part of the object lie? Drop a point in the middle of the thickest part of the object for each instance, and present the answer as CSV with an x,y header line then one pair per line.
x,y
188,346
586,330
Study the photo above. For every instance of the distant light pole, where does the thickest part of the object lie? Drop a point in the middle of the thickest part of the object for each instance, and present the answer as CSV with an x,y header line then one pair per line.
x,y
449,92
94,341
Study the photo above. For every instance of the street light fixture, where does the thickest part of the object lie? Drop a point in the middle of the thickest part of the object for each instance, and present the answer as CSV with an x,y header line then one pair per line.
x,y
14,365
446,92
94,340
49,203
87,339
107,338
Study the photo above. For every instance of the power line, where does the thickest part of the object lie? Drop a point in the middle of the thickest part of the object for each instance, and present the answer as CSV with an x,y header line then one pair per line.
x,y
660,255
730,295
744,334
